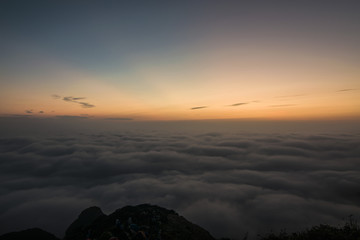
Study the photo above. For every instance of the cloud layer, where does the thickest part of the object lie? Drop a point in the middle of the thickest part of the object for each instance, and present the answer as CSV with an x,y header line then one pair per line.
x,y
229,184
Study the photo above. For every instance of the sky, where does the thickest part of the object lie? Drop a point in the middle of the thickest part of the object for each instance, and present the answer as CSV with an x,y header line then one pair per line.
x,y
242,116
185,60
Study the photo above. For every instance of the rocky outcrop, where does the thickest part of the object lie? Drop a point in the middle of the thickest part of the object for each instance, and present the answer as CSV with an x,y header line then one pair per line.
x,y
78,229
142,222
136,222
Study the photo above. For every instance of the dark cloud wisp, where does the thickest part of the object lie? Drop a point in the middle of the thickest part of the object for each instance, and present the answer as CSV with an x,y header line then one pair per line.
x,y
55,96
72,99
196,108
75,100
347,90
86,105
238,104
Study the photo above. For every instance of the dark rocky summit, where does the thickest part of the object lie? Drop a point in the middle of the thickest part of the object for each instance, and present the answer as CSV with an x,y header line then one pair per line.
x,y
33,233
134,222
142,222
78,229
149,222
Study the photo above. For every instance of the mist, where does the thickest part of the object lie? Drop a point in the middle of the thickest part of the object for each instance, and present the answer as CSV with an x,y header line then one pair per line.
x,y
228,177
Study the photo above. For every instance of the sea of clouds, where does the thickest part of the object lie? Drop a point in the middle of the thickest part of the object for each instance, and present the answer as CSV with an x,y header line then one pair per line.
x,y
229,183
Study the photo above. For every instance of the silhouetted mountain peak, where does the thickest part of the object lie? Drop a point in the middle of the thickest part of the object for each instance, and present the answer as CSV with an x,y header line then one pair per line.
x,y
143,221
84,220
90,213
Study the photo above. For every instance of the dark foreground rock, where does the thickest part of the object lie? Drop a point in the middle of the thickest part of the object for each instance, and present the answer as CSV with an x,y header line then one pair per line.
x,y
134,223
81,225
349,231
33,233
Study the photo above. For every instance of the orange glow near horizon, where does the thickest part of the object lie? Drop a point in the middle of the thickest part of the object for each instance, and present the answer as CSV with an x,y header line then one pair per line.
x,y
230,83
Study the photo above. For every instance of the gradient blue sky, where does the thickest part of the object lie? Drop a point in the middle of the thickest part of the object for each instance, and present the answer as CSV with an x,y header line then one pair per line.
x,y
158,59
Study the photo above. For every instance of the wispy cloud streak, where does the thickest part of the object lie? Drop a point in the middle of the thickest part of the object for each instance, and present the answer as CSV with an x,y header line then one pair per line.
x,y
55,96
196,108
347,90
238,104
74,100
